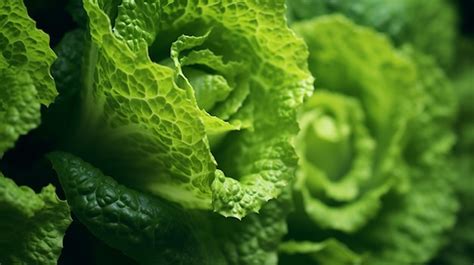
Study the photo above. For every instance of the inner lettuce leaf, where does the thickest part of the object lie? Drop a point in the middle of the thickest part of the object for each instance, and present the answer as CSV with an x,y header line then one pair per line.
x,y
429,27
26,82
192,101
32,225
385,116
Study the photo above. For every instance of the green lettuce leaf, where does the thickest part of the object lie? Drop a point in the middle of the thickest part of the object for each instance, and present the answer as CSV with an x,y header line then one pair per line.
x,y
142,226
26,82
151,230
255,239
431,28
204,104
374,172
32,225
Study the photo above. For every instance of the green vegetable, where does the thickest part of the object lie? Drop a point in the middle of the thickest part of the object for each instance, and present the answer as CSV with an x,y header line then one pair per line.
x,y
361,132
255,239
374,140
152,231
205,105
142,226
187,132
32,225
26,82
430,27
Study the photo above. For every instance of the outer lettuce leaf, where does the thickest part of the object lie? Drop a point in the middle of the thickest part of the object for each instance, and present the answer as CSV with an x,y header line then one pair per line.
x,y
32,225
255,239
151,230
399,207
19,107
429,27
24,73
155,112
142,226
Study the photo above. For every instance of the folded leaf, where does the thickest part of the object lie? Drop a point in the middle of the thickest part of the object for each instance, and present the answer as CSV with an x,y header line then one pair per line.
x,y
32,225
142,226
254,240
151,230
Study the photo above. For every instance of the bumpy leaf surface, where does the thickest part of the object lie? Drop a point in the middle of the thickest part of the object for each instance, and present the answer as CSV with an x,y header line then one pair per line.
x,y
142,226
26,83
32,225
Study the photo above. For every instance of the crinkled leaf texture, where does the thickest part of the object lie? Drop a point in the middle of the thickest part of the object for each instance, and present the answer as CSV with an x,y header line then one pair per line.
x,y
167,82
254,240
152,231
32,225
386,120
25,80
405,21
142,226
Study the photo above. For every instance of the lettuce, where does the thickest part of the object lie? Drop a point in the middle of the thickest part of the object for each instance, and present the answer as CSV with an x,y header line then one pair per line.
x,y
187,132
24,70
430,28
153,231
32,225
142,226
373,180
205,104
206,107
